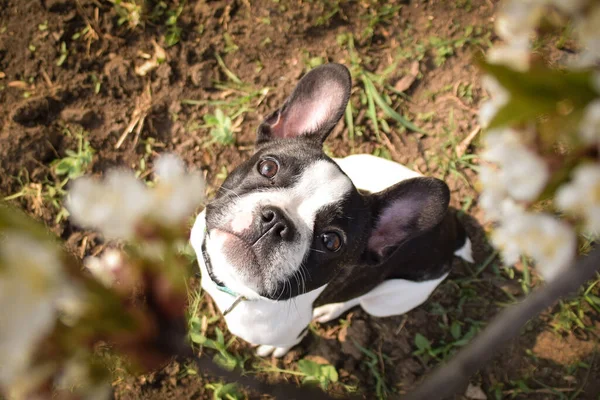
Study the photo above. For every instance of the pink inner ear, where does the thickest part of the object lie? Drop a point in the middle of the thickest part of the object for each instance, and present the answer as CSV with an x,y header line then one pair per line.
x,y
389,230
306,116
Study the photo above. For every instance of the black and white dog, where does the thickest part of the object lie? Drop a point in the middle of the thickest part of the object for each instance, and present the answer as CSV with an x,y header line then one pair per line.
x,y
294,236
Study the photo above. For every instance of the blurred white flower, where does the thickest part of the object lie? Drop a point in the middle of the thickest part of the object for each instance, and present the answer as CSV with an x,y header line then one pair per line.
x,y
569,7
499,97
581,196
522,173
517,19
116,205
75,378
32,288
514,55
105,267
589,128
550,242
112,206
587,29
515,23
178,193
494,199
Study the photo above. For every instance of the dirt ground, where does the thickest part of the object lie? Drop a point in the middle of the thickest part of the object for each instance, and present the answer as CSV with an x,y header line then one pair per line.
x,y
69,66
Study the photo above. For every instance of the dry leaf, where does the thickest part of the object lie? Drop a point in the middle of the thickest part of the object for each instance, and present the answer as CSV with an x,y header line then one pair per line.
x,y
406,81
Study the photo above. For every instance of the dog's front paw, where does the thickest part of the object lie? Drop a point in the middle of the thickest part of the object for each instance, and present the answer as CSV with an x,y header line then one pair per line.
x,y
328,312
277,352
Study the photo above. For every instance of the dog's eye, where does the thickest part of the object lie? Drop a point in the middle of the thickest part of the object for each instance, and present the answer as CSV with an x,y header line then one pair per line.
x,y
332,241
268,168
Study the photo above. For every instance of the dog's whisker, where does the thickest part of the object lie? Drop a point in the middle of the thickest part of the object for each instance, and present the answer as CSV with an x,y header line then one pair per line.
x,y
297,277
305,272
316,250
231,191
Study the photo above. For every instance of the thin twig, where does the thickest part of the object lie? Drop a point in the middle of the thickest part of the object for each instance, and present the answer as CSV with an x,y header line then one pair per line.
x,y
461,149
453,377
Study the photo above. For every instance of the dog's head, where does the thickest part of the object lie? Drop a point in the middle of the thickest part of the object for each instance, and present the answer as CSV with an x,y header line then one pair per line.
x,y
288,219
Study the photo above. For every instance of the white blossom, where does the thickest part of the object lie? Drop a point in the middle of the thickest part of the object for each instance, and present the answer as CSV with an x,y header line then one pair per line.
x,y
522,173
515,24
569,7
494,199
75,377
116,205
112,206
499,97
105,267
177,193
32,288
515,56
587,29
550,242
581,196
517,19
589,127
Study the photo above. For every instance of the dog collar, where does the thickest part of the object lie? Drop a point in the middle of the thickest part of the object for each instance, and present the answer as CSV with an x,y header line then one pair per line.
x,y
238,297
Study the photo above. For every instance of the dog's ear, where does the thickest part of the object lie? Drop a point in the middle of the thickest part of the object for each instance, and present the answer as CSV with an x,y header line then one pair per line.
x,y
314,107
403,211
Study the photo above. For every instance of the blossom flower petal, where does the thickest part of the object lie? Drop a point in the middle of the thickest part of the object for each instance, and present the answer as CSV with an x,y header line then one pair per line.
x,y
177,193
589,127
523,174
581,196
105,267
499,97
32,286
550,242
112,206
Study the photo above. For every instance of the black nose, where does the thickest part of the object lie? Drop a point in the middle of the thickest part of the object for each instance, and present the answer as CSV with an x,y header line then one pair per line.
x,y
274,221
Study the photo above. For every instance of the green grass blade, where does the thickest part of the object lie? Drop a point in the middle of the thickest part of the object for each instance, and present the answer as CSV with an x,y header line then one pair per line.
x,y
371,111
227,71
389,111
349,121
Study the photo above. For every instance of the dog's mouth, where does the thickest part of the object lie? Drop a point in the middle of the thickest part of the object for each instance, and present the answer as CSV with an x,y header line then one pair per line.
x,y
243,266
244,269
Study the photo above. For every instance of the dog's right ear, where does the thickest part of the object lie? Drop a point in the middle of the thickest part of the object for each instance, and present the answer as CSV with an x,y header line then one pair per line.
x,y
405,210
314,107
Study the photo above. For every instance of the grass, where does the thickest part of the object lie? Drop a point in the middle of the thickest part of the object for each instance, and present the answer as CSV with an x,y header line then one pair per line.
x,y
439,49
237,99
311,373
573,314
52,189
444,160
135,13
374,363
225,391
375,95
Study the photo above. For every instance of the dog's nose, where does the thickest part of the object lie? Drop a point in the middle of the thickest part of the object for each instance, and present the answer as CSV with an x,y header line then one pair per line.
x,y
274,221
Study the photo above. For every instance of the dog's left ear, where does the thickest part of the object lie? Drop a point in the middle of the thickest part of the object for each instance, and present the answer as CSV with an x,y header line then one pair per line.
x,y
403,211
314,107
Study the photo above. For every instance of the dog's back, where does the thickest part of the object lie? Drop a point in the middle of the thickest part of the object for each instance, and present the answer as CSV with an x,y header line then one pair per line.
x,y
423,258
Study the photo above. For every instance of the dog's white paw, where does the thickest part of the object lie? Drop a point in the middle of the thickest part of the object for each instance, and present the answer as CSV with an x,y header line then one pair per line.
x,y
277,352
328,312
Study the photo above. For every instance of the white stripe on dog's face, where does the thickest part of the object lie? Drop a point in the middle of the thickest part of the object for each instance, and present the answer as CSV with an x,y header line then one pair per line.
x,y
321,184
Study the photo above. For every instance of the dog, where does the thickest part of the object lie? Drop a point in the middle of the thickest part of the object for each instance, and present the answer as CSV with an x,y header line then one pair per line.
x,y
293,235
